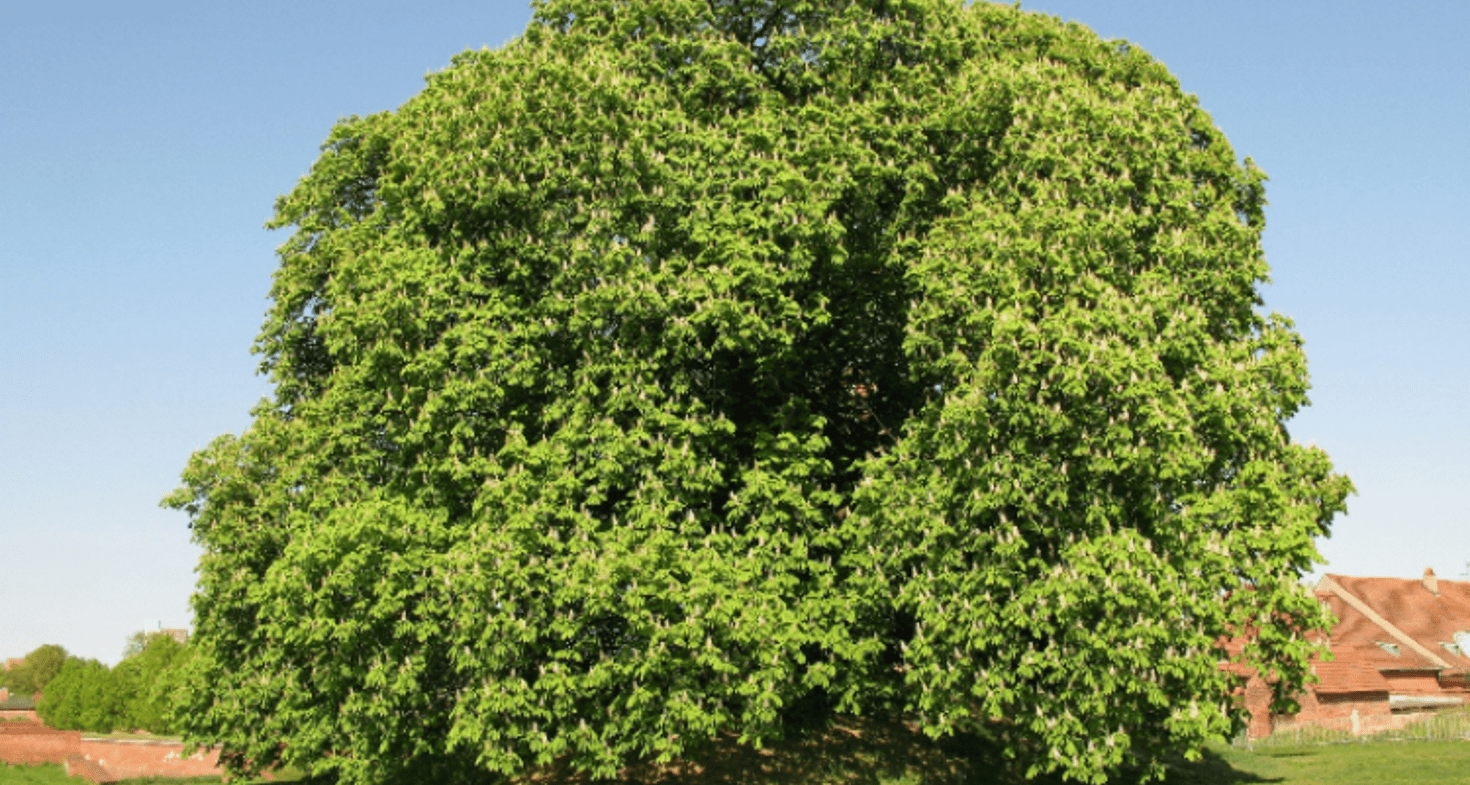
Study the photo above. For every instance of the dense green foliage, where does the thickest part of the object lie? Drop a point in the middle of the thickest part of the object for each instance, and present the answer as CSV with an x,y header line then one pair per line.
x,y
35,671
150,680
701,366
138,694
84,696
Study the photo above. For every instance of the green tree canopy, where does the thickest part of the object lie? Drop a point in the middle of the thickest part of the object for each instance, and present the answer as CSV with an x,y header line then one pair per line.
x,y
149,678
138,642
140,693
86,696
689,367
35,671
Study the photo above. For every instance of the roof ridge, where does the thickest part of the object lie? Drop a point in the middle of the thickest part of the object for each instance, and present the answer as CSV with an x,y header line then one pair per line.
x,y
1398,578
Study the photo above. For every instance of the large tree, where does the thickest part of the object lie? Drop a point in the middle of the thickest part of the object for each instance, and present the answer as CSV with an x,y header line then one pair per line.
x,y
688,367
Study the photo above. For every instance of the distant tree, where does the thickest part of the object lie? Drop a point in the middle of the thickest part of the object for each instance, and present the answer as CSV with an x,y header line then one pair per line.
x,y
137,694
84,696
149,681
137,642
689,367
35,671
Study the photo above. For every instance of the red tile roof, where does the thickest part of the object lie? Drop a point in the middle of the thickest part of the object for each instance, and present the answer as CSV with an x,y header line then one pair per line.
x,y
1431,620
1391,624
1355,639
1385,625
1349,674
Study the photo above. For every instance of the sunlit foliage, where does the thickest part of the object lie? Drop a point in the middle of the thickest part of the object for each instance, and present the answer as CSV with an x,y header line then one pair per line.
x,y
689,367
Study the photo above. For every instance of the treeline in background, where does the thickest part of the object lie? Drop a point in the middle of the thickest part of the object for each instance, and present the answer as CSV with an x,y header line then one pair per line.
x,y
87,695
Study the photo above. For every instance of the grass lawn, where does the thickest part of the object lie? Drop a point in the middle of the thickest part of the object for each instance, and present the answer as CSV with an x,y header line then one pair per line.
x,y
45,774
868,753
873,754
54,774
1438,762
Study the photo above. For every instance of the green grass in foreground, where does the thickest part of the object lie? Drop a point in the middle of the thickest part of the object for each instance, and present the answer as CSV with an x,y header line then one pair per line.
x,y
858,752
55,774
45,774
1439,762
874,754
868,753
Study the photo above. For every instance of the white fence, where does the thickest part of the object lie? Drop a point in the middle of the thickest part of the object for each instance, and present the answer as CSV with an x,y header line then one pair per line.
x,y
1442,725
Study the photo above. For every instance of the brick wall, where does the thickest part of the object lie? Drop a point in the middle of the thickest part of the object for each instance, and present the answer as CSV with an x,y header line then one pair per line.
x,y
1353,712
1357,713
1343,705
1258,703
1362,720
31,743
127,759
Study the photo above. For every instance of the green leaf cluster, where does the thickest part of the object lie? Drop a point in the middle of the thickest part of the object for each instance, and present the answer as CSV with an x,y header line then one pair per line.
x,y
689,367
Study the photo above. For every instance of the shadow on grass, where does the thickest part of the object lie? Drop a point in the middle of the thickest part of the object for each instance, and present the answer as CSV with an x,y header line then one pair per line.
x,y
857,751
867,752
1211,769
988,764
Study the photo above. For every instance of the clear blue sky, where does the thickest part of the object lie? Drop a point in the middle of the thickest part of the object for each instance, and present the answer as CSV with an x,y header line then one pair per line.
x,y
142,146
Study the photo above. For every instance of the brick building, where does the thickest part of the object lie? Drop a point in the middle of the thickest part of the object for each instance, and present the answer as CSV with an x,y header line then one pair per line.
x,y
18,707
1400,649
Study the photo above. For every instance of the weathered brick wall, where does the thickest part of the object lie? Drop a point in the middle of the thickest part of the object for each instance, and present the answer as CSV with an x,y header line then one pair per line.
x,y
32,743
1360,721
1258,703
1357,713
127,759
1332,705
